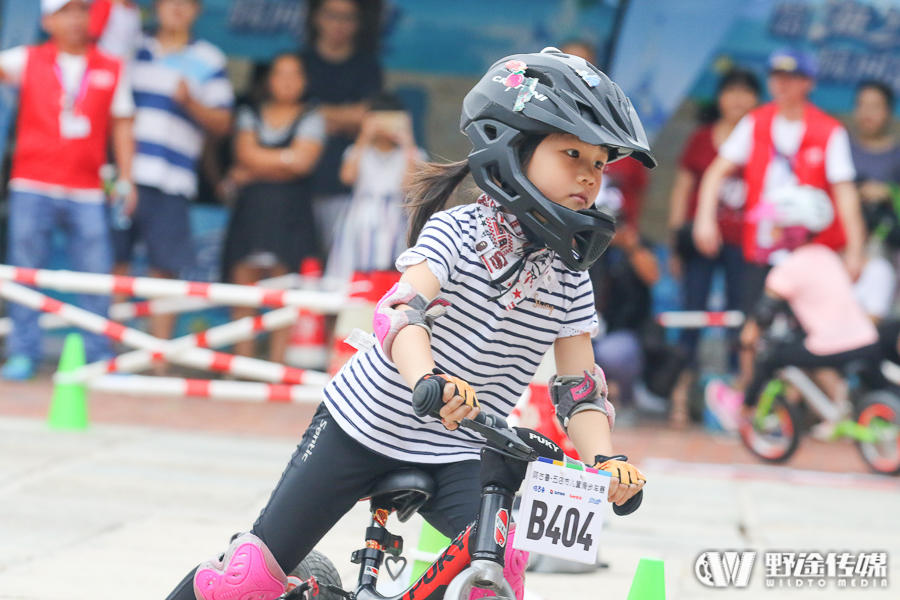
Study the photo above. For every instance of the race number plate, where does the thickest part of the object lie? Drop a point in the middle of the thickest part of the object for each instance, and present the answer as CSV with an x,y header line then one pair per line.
x,y
562,511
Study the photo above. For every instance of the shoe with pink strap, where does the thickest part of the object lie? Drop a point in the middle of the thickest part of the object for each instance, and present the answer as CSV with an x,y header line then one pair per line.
x,y
515,562
247,571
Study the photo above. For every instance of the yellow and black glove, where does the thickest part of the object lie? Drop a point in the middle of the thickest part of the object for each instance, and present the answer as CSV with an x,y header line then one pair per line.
x,y
619,467
626,472
462,387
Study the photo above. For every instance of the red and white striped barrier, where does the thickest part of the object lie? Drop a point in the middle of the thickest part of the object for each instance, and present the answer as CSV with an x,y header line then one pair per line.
x,y
141,385
216,337
148,287
125,311
195,357
696,319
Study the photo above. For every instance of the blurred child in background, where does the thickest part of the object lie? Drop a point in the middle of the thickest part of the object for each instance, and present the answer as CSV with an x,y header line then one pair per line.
x,y
372,235
276,149
815,285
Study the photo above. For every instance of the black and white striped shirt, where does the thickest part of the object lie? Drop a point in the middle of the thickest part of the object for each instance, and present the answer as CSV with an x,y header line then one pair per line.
x,y
494,349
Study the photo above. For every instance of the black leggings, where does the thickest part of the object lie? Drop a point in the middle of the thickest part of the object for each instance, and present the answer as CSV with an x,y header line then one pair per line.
x,y
795,354
328,474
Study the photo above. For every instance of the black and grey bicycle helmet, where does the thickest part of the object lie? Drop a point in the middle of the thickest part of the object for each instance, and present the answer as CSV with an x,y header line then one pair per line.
x,y
539,94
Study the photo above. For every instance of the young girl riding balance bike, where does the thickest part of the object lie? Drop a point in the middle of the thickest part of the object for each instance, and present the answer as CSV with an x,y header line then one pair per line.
x,y
486,289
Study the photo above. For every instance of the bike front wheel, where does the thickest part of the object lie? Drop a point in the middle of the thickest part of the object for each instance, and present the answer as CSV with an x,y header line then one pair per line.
x,y
773,434
879,413
318,565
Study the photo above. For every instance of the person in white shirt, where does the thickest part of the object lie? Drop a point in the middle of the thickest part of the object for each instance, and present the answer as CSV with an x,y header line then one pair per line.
x,y
785,143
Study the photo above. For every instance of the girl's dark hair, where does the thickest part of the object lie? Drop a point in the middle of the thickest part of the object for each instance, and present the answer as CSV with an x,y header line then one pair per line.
x,y
737,77
431,185
369,26
259,80
882,88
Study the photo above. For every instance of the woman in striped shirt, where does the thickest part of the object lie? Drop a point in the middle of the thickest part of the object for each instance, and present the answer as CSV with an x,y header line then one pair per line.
x,y
507,277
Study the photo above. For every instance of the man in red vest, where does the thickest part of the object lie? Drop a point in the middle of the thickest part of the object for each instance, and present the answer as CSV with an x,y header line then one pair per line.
x,y
787,142
73,99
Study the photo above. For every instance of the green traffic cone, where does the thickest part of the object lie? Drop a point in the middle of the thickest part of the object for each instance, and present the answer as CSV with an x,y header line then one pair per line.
x,y
430,542
649,581
68,409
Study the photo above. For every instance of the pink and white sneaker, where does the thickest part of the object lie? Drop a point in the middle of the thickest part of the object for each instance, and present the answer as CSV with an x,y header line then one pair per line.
x,y
247,571
725,403
515,562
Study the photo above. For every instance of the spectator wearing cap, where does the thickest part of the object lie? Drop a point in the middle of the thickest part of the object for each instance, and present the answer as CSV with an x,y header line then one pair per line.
x,y
182,93
787,142
73,99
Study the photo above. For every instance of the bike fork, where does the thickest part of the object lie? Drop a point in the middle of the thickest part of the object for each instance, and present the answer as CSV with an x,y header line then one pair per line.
x,y
489,548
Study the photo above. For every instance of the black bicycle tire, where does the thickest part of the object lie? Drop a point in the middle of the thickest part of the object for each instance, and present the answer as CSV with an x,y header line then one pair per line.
x,y
319,566
793,415
892,402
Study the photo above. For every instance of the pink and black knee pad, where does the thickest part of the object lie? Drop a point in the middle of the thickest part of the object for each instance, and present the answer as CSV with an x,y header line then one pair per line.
x,y
247,570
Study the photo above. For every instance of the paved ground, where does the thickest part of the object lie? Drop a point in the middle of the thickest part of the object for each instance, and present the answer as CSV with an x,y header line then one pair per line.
x,y
155,485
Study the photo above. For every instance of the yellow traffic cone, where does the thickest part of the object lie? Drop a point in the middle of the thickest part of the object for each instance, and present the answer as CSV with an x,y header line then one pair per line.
x,y
68,409
649,581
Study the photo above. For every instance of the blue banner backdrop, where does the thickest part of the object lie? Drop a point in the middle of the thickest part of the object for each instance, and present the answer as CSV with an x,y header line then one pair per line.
x,y
853,40
462,37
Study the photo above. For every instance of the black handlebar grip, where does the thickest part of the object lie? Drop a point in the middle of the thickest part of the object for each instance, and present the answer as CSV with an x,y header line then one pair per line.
x,y
630,505
428,397
491,421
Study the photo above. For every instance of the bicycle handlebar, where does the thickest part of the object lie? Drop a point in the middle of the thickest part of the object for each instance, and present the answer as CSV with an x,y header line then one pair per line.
x,y
428,399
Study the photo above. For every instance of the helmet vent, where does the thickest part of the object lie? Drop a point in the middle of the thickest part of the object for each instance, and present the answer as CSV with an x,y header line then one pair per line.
x,y
493,172
491,132
614,111
588,113
590,245
541,76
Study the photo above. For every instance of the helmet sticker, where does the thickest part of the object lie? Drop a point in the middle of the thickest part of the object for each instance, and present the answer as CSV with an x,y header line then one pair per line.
x,y
517,79
526,93
517,76
592,79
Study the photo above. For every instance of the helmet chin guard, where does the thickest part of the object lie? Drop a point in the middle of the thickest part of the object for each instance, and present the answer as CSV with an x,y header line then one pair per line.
x,y
577,237
541,94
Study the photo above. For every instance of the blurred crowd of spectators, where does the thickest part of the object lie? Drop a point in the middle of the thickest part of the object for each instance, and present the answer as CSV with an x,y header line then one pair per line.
x,y
317,154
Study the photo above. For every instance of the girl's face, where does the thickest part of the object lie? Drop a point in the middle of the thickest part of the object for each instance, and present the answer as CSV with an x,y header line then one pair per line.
x,y
567,170
735,101
871,113
287,81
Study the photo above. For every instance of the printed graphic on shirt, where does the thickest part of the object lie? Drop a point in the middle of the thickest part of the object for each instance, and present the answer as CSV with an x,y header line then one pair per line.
x,y
494,349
